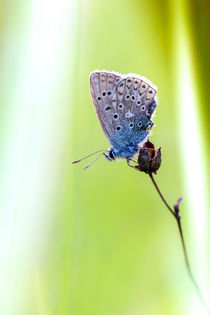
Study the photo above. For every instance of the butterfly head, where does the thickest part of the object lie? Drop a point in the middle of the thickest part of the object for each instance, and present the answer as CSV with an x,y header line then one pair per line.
x,y
110,154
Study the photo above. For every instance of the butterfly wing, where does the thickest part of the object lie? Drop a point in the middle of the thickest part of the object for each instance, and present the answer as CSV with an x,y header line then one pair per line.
x,y
102,85
124,105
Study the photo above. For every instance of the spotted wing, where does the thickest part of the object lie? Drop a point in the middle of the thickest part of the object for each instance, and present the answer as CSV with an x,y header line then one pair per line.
x,y
124,105
102,86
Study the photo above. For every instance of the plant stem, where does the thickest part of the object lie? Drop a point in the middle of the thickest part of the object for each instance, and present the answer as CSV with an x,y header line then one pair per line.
x,y
176,215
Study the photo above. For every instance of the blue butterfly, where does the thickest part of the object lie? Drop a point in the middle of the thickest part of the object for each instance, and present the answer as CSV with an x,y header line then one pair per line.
x,y
124,105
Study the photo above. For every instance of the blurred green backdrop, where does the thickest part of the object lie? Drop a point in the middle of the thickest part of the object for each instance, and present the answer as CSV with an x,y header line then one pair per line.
x,y
100,241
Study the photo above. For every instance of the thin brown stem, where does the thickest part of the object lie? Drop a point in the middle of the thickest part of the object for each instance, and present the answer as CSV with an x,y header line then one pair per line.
x,y
159,192
176,215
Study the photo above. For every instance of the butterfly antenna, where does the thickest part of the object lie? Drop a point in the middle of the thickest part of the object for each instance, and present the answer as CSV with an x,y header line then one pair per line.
x,y
88,165
77,161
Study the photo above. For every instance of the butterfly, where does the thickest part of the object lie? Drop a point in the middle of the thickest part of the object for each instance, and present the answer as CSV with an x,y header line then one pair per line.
x,y
124,105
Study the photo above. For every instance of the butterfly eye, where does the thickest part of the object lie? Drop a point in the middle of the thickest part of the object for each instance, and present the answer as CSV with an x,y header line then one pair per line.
x,y
118,128
143,107
109,93
127,96
133,97
131,125
112,155
120,106
115,116
104,93
138,103
98,98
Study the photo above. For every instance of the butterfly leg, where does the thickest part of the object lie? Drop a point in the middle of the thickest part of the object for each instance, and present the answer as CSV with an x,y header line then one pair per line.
x,y
129,161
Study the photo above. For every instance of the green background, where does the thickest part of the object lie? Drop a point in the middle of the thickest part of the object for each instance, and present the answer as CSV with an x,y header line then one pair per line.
x,y
100,241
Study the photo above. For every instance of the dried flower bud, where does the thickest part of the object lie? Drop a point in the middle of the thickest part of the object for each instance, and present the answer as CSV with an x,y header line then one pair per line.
x,y
149,159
